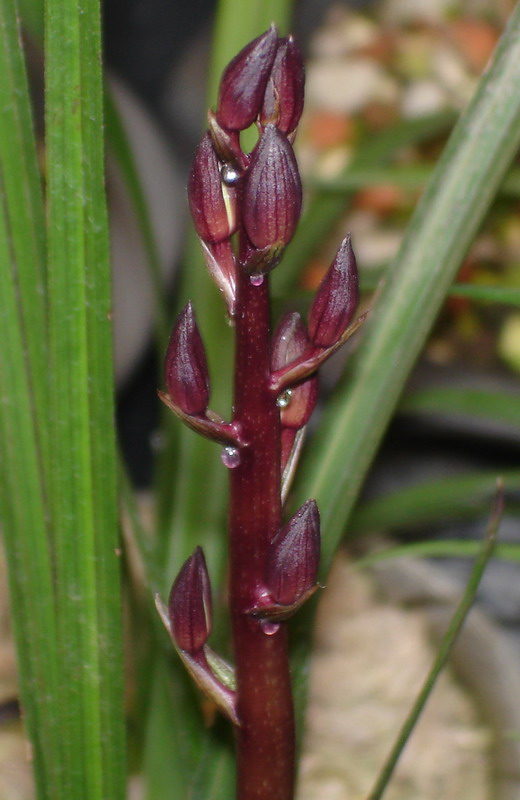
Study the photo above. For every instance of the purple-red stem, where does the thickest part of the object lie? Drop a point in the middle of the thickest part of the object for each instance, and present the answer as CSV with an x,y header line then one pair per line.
x,y
265,738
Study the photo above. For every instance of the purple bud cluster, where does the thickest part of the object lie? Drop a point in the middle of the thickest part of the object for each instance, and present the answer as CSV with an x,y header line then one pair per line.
x,y
260,192
245,209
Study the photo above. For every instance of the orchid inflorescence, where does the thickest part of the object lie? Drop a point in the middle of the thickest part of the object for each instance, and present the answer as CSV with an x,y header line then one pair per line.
x,y
245,208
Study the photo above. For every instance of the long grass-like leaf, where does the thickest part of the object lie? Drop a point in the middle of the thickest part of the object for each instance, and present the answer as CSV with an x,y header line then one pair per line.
x,y
83,457
23,404
453,206
441,230
432,502
445,647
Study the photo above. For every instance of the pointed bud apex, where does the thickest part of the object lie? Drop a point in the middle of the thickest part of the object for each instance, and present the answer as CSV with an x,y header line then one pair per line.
x,y
290,342
185,369
272,191
189,604
212,203
244,80
293,559
284,94
336,299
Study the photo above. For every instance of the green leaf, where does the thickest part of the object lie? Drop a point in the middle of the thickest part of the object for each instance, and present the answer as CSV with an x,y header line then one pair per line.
x,y
492,407
480,149
433,502
83,463
453,206
443,653
23,411
443,548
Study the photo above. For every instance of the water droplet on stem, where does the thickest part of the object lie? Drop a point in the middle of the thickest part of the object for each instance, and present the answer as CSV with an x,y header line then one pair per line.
x,y
268,627
257,279
231,457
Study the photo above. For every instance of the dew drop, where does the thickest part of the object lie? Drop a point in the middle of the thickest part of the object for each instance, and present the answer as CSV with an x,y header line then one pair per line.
x,y
268,627
229,174
230,457
284,398
256,278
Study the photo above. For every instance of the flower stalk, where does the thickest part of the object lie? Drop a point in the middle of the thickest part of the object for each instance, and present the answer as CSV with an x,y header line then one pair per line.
x,y
245,208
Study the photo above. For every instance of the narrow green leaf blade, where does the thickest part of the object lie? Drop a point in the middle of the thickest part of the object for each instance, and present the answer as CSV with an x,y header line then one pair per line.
x,y
84,473
433,502
481,147
445,647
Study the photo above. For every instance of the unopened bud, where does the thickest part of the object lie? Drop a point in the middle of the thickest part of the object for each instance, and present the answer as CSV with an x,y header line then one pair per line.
x,y
189,604
185,369
284,94
290,342
244,80
272,191
212,203
336,299
294,556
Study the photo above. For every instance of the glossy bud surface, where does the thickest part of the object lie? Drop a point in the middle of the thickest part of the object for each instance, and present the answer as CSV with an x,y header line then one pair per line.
x,y
272,191
336,299
244,81
293,560
186,371
189,604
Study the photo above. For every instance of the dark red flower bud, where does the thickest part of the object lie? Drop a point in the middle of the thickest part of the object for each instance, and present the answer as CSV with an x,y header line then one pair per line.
x,y
189,604
244,80
272,191
290,342
185,367
336,298
284,94
212,203
294,555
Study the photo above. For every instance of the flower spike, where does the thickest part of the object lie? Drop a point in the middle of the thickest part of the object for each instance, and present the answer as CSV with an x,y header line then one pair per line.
x,y
336,299
186,370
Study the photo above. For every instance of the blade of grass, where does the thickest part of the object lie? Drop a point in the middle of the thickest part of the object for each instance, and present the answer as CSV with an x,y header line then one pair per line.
x,y
405,177
453,206
24,514
23,518
445,548
432,502
83,456
445,647
20,179
506,295
500,406
479,151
